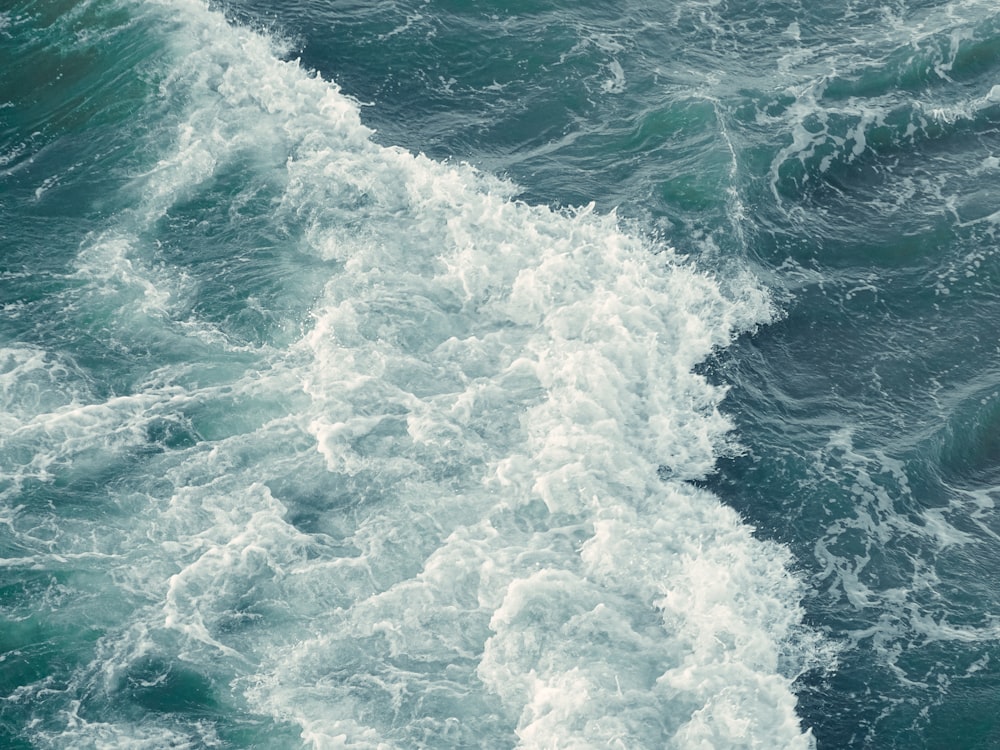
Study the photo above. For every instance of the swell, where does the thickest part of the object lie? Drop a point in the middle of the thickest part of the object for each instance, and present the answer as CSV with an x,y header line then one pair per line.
x,y
874,140
869,410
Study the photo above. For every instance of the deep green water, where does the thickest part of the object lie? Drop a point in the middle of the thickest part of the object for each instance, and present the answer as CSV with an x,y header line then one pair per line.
x,y
499,374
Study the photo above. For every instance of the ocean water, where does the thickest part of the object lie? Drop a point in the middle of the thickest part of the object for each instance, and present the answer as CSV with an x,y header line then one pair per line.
x,y
525,374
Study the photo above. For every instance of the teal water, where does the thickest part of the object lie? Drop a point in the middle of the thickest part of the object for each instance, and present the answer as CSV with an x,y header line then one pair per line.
x,y
498,374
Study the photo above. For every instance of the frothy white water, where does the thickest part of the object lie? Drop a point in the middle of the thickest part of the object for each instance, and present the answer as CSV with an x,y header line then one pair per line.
x,y
439,517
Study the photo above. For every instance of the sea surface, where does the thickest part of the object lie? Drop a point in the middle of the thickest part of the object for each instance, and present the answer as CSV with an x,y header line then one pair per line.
x,y
499,374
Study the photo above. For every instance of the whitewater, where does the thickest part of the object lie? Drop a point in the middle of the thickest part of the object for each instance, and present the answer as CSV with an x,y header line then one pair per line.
x,y
311,441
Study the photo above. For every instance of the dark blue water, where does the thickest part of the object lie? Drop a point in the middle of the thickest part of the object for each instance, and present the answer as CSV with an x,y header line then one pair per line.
x,y
499,374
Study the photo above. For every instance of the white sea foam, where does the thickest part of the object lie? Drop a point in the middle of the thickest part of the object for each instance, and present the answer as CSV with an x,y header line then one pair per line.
x,y
438,518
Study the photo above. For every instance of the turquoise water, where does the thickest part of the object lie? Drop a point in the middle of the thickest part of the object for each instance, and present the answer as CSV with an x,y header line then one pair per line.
x,y
499,374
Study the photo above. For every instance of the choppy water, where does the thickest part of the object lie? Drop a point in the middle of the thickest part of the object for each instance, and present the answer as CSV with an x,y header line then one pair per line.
x,y
499,374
